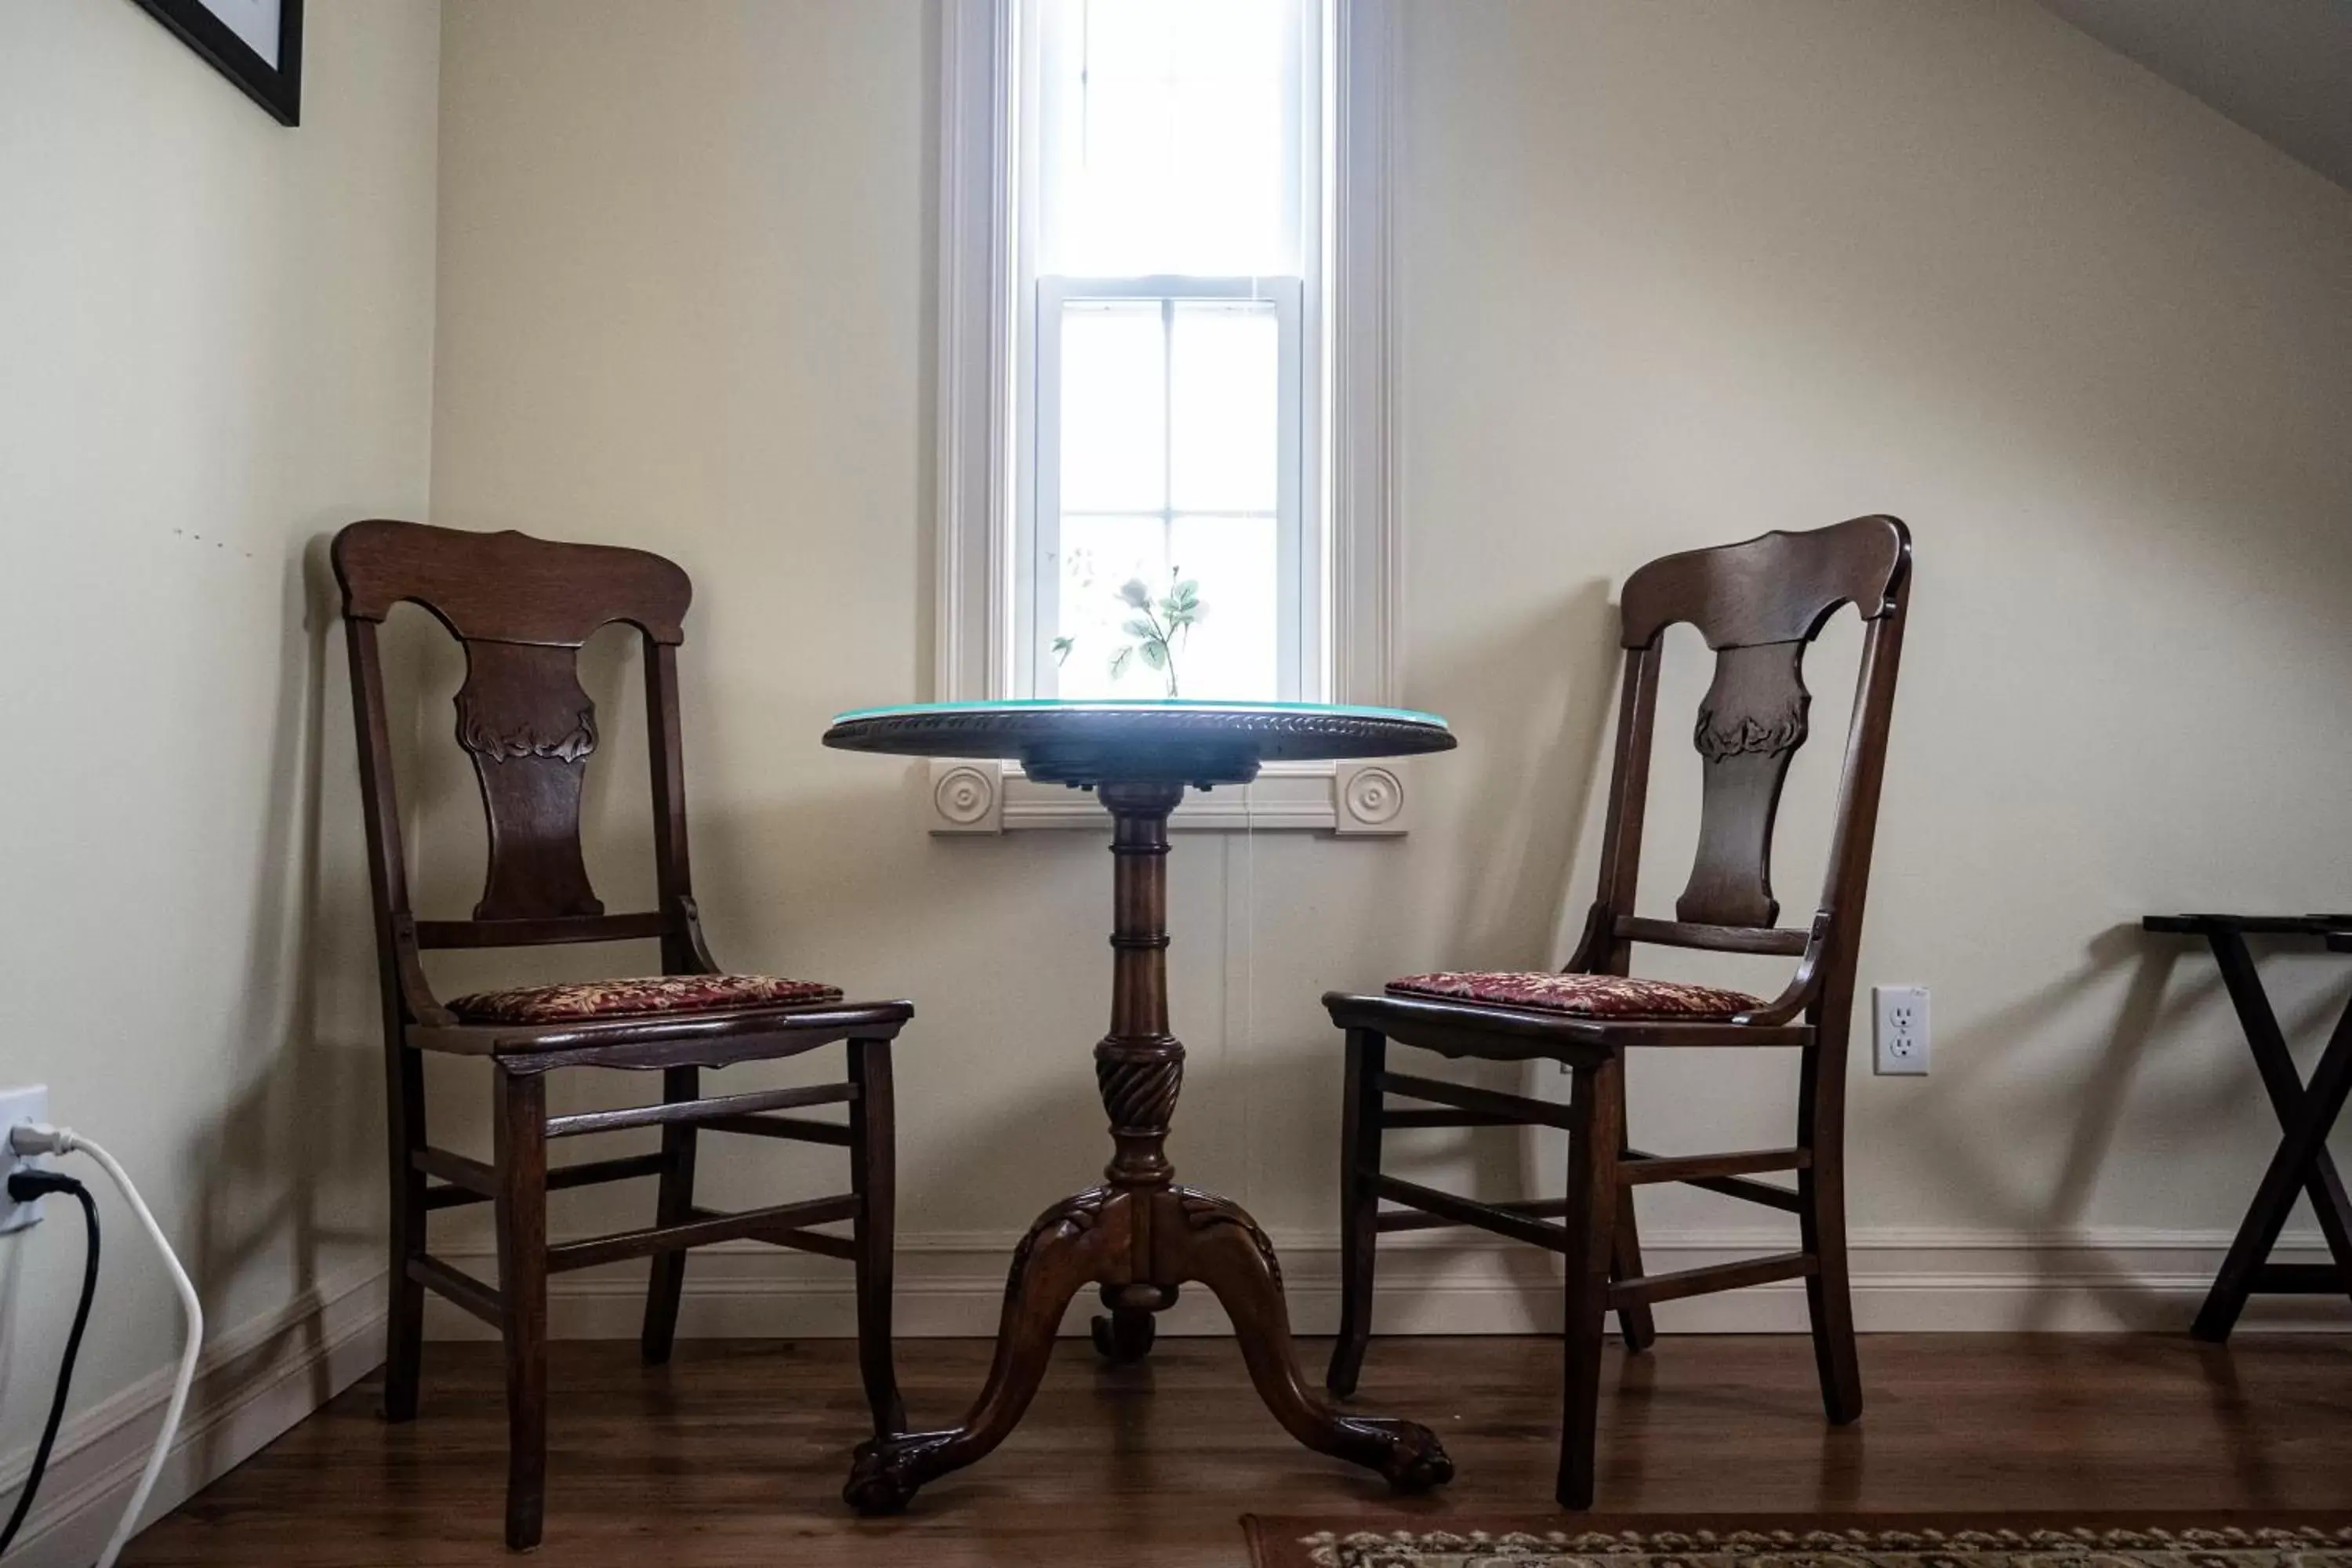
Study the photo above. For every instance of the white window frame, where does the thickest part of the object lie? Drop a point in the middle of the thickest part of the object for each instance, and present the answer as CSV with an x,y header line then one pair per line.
x,y
1344,478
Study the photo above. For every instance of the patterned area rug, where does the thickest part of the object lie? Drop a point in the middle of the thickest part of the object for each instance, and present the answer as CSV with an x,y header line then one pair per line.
x,y
1951,1541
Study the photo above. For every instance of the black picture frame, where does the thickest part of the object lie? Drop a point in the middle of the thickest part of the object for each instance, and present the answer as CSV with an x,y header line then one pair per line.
x,y
278,88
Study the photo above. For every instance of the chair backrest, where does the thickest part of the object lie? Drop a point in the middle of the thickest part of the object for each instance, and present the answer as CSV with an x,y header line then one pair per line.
x,y
521,607
1758,604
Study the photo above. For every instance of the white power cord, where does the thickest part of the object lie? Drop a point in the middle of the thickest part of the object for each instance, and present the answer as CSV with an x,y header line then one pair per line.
x,y
38,1138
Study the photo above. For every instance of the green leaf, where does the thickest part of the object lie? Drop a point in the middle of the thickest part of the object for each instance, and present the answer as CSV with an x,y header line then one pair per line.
x,y
1140,628
1118,662
1062,646
1155,654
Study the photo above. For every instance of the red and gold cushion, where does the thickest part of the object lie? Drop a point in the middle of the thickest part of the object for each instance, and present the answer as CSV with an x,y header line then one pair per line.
x,y
1611,996
636,998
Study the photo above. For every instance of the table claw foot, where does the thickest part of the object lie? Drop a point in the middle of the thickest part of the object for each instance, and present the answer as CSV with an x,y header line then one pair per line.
x,y
886,1472
1071,1245
1412,1457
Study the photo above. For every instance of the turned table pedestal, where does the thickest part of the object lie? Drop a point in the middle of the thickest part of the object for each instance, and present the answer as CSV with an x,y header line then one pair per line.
x,y
1140,1236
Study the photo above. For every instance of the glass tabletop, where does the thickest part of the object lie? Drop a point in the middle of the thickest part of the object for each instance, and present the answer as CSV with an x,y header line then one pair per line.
x,y
1087,741
1140,705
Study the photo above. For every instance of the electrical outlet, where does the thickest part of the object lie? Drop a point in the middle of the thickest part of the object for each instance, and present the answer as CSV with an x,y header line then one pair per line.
x,y
1900,1035
27,1104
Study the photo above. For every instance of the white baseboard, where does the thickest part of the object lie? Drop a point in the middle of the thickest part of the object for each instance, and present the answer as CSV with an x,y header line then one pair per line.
x,y
253,1383
1911,1280
261,1378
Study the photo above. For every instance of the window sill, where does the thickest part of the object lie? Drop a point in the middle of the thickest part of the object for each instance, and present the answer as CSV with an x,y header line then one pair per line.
x,y
1347,800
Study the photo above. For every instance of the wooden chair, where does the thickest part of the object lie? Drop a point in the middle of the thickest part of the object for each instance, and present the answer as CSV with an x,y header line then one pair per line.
x,y
1759,605
522,607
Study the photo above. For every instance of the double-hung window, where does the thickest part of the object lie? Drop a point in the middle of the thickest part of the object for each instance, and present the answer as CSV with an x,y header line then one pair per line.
x,y
1170,260
1163,370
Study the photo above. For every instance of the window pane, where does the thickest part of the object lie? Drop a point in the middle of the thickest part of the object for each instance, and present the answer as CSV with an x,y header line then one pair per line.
x,y
1168,137
1225,375
1114,407
1230,653
1098,555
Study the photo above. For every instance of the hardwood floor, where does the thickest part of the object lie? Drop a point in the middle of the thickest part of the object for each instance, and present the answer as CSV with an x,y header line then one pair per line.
x,y
734,1455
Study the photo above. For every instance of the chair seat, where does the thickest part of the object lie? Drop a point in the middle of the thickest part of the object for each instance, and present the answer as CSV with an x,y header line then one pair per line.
x,y
651,995
1583,995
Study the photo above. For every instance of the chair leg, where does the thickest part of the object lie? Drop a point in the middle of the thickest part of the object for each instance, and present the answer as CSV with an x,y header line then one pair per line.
x,y
673,1206
874,1177
1596,1134
1821,1188
1359,1206
521,1141
1640,1328
405,1321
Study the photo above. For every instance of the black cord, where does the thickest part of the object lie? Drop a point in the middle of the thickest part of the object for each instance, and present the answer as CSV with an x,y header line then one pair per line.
x,y
24,1187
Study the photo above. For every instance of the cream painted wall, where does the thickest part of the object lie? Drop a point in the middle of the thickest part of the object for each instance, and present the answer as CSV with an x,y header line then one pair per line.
x,y
215,345
1672,273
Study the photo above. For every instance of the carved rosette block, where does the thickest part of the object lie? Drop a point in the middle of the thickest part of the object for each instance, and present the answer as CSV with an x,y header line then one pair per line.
x,y
1368,800
967,798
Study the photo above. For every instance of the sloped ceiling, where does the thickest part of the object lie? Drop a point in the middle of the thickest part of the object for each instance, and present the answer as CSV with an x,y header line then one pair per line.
x,y
2281,69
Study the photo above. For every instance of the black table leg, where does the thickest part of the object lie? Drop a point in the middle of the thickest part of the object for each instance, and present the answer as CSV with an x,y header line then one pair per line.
x,y
2302,1163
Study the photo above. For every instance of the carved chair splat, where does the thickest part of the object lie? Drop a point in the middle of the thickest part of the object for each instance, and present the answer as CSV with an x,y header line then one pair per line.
x,y
521,609
1759,605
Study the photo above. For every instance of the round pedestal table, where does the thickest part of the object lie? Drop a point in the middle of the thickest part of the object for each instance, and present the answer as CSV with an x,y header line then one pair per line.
x,y
1140,1236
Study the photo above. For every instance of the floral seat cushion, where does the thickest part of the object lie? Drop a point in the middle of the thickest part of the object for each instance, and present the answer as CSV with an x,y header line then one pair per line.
x,y
1613,996
636,998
